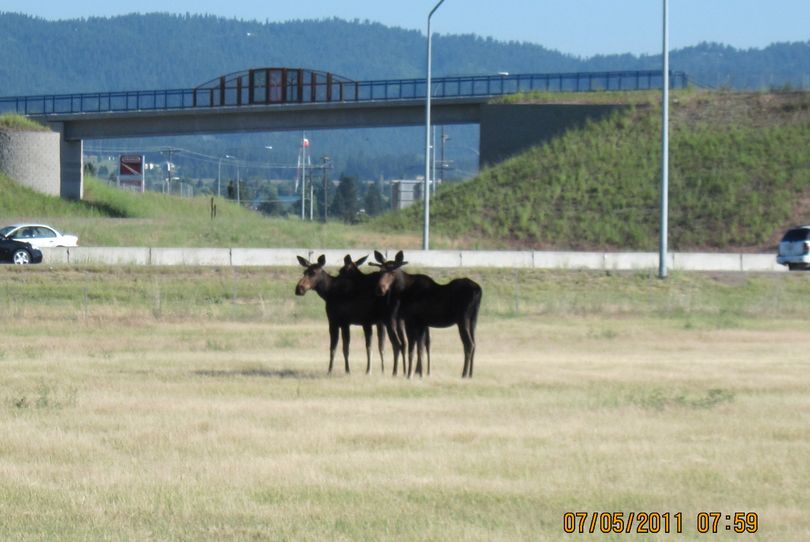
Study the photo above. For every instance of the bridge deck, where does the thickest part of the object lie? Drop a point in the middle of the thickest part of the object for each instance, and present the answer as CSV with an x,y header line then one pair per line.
x,y
344,92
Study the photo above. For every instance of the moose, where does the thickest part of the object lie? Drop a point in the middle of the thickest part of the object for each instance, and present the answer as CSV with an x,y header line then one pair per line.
x,y
366,284
420,303
349,301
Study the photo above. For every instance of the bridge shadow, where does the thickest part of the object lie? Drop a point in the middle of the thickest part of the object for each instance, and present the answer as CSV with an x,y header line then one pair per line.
x,y
104,209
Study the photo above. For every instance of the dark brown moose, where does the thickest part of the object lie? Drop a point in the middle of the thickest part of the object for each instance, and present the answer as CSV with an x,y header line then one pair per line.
x,y
344,307
421,303
366,284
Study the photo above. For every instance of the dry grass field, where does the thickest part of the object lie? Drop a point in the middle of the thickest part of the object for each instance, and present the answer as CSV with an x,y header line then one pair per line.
x,y
166,404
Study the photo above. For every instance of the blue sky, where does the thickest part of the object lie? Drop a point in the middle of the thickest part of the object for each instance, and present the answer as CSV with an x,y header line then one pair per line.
x,y
580,27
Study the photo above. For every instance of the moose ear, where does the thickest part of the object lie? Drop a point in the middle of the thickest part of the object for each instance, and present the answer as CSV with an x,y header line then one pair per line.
x,y
321,260
379,257
361,261
399,258
302,261
347,259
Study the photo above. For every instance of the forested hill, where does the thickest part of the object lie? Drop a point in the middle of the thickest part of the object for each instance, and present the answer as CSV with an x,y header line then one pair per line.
x,y
180,51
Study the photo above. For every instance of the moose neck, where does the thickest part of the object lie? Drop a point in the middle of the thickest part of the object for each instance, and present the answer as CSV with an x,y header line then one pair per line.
x,y
324,285
401,282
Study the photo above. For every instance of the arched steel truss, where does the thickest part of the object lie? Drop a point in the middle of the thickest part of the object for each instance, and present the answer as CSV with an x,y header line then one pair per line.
x,y
263,86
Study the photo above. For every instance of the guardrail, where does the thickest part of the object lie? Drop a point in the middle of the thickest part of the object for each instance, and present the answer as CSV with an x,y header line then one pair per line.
x,y
473,86
237,257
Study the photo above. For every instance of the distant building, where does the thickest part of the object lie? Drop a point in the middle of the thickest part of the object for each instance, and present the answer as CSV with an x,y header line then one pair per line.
x,y
405,192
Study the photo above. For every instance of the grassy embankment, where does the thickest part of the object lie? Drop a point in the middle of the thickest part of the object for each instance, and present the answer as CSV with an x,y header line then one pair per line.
x,y
738,162
111,217
188,404
738,172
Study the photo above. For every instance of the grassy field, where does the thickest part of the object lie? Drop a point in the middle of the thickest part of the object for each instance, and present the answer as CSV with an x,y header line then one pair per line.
x,y
188,404
111,217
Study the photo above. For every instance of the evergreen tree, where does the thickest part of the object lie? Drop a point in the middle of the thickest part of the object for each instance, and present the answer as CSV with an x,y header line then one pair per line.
x,y
271,204
373,202
344,206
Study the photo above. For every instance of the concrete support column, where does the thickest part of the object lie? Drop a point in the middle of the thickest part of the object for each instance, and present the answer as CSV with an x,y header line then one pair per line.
x,y
71,159
31,158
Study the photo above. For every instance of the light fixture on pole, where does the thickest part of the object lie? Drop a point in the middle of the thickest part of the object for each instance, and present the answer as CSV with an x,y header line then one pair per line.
x,y
303,157
662,243
219,172
426,191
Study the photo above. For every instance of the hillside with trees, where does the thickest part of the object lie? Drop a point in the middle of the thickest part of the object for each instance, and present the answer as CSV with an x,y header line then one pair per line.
x,y
159,51
155,51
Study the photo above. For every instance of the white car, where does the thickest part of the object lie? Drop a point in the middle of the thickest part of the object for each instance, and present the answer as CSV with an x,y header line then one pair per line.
x,y
794,248
39,235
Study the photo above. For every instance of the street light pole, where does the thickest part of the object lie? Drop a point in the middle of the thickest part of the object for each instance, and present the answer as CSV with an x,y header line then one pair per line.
x,y
219,176
219,172
326,164
238,197
662,244
426,191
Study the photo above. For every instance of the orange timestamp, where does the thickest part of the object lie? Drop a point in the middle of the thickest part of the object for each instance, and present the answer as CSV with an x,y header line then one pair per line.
x,y
658,522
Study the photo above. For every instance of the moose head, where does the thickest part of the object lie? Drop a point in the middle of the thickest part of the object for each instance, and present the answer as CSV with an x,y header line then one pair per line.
x,y
351,267
313,275
389,271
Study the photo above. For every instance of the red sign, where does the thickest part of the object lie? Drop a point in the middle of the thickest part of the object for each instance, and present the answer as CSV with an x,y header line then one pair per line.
x,y
131,165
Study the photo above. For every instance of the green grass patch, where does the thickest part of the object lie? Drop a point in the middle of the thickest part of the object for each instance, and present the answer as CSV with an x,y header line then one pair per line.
x,y
736,168
17,123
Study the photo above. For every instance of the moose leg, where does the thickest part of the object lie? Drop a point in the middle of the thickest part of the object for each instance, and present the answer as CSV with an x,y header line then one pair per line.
x,y
367,333
396,346
344,331
472,350
422,333
381,345
403,341
469,347
427,348
412,340
471,323
415,338
397,334
333,340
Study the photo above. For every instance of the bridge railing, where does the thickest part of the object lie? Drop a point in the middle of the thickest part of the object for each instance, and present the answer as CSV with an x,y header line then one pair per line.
x,y
471,86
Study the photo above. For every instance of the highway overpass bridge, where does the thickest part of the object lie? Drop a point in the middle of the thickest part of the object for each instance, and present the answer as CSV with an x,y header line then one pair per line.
x,y
278,99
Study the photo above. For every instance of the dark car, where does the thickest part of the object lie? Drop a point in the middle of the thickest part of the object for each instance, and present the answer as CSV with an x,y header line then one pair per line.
x,y
18,252
794,248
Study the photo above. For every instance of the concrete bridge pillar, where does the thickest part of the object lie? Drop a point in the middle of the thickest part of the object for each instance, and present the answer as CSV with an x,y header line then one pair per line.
x,y
31,158
71,160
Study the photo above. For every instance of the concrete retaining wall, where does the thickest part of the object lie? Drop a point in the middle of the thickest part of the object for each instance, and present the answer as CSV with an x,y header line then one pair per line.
x,y
225,257
32,159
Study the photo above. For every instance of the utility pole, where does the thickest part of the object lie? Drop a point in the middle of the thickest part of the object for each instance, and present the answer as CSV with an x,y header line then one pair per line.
x,y
662,243
238,197
443,163
327,162
428,92
304,145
